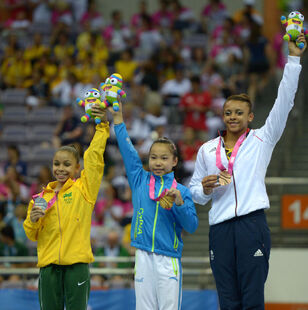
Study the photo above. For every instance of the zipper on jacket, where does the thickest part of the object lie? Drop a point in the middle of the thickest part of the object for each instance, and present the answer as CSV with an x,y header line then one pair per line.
x,y
59,227
235,194
156,213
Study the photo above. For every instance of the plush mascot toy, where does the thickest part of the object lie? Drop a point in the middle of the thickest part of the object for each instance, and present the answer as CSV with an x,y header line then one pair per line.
x,y
112,88
294,27
91,97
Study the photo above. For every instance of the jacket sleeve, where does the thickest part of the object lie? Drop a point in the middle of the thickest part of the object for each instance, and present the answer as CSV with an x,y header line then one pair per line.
x,y
132,161
277,119
31,229
195,185
94,164
186,214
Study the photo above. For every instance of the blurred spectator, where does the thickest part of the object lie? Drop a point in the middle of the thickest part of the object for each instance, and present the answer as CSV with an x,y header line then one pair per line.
x,y
126,66
172,91
36,49
12,187
188,146
69,128
38,91
136,19
148,39
41,11
197,62
223,49
117,35
63,47
183,17
163,17
15,218
62,12
2,211
13,160
248,9
213,14
44,177
154,116
258,60
65,92
178,46
195,104
15,9
113,248
136,125
93,17
114,205
16,69
11,247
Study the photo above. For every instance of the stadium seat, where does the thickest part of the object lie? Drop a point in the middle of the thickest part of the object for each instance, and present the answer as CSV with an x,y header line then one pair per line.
x,y
16,115
14,134
13,96
44,115
40,133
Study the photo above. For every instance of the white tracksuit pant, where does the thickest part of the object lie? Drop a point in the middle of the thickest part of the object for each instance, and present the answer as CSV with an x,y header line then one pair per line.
x,y
158,281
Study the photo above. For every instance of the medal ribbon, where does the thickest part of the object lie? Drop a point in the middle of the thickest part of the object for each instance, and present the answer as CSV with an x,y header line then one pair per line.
x,y
233,155
152,189
50,202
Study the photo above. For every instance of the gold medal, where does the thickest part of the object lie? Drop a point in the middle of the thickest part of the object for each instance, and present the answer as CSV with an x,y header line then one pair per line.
x,y
166,202
224,178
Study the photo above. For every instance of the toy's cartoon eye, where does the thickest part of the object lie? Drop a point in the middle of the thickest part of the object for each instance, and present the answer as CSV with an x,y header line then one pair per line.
x,y
96,94
301,17
87,94
292,14
107,80
113,81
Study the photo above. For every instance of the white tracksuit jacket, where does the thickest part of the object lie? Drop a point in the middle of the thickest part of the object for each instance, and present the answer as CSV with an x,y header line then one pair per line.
x,y
246,192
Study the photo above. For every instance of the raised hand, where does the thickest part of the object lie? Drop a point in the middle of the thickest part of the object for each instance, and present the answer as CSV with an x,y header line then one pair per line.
x,y
293,49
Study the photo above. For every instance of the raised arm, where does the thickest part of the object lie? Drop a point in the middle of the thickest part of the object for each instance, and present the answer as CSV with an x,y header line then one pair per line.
x,y
276,121
94,164
132,161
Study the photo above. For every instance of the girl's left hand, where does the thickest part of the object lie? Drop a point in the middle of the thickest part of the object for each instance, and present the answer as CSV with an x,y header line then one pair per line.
x,y
96,110
176,194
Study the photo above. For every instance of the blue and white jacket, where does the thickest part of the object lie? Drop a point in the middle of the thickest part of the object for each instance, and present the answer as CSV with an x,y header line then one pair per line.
x,y
154,229
246,192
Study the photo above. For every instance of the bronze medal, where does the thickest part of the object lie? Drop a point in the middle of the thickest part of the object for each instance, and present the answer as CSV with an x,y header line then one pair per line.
x,y
224,178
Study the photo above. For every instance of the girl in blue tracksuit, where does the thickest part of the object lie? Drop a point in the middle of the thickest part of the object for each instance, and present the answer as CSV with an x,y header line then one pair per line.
x,y
162,209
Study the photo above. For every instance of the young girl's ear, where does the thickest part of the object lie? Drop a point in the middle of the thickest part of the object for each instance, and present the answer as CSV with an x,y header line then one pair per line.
x,y
175,161
77,169
250,117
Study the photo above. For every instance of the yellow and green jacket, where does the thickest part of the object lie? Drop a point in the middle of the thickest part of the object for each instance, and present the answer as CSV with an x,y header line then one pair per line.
x,y
63,234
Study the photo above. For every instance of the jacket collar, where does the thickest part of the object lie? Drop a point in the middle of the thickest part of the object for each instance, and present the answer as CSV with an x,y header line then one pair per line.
x,y
167,177
52,185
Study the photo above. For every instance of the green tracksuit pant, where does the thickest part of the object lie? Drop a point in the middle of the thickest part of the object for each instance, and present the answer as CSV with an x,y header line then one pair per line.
x,y
69,285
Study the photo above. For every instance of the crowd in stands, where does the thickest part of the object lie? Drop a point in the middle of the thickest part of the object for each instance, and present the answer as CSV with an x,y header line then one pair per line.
x,y
178,68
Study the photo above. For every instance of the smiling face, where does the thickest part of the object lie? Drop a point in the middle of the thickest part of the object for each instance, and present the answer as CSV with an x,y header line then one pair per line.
x,y
161,159
64,166
237,116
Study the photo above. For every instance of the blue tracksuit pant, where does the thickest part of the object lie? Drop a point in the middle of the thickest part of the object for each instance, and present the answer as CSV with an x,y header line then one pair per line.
x,y
239,255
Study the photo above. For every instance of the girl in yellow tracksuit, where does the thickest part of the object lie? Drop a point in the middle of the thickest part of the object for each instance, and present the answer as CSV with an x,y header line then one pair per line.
x,y
59,219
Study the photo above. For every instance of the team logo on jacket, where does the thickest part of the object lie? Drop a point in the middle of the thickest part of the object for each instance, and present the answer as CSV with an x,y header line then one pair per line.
x,y
140,221
211,255
68,197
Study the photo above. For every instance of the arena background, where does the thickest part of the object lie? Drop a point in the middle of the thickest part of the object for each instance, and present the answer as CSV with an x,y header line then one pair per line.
x,y
39,85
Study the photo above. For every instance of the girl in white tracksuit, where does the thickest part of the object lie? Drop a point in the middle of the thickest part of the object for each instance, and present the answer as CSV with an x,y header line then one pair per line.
x,y
162,209
230,170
